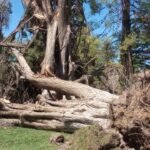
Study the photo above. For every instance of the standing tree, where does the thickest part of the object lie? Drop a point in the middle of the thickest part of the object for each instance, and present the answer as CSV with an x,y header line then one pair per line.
x,y
113,14
126,55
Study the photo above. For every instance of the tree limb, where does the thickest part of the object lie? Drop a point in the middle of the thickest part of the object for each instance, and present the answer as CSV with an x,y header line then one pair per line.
x,y
14,45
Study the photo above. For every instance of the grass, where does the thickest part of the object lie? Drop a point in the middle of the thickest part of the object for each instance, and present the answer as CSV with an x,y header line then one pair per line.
x,y
93,138
15,138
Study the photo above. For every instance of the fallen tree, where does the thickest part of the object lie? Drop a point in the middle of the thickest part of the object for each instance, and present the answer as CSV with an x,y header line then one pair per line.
x,y
59,116
93,105
55,70
66,87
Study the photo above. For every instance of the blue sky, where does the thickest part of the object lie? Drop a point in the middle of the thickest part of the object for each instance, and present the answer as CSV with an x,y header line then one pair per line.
x,y
18,10
17,13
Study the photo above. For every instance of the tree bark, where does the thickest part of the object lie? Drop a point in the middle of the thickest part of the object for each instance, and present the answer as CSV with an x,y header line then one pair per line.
x,y
61,116
64,35
49,59
64,116
126,55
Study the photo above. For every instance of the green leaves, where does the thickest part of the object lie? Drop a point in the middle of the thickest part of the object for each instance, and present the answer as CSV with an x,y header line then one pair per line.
x,y
130,41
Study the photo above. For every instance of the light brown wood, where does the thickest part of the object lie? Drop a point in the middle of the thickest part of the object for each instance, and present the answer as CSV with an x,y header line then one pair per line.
x,y
68,118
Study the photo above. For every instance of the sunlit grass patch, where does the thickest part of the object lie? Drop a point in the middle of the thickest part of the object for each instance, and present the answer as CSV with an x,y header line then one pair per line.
x,y
26,139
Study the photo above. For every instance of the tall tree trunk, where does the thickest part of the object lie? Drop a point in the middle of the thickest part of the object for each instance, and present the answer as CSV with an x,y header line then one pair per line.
x,y
126,55
58,35
64,35
49,59
56,60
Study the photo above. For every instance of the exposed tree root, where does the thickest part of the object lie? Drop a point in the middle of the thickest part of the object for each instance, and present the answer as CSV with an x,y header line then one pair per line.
x,y
132,119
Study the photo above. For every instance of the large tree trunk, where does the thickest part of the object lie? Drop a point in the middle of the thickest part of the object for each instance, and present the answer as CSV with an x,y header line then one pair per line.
x,y
49,59
126,55
60,116
56,59
58,35
64,35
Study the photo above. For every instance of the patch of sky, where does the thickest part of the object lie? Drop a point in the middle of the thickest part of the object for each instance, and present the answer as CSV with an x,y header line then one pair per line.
x,y
17,13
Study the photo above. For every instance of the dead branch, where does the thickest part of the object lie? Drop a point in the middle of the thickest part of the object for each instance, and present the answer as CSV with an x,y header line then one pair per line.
x,y
13,45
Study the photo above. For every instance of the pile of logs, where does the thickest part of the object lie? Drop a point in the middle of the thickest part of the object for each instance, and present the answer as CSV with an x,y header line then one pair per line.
x,y
66,116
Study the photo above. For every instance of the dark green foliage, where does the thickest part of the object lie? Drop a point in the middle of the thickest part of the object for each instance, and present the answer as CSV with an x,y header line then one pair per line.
x,y
92,55
141,26
12,87
35,53
95,6
4,71
91,47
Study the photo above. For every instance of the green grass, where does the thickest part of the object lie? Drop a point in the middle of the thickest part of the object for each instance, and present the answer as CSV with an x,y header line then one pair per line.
x,y
26,139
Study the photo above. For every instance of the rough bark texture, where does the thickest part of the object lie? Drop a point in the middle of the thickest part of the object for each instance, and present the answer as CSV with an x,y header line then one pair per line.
x,y
126,55
49,59
56,16
61,116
